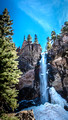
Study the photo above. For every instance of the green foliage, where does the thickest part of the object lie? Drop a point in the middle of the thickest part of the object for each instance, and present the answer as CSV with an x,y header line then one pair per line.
x,y
1,22
49,46
48,43
48,39
9,73
5,24
58,36
29,38
56,39
64,29
8,117
36,40
53,36
24,37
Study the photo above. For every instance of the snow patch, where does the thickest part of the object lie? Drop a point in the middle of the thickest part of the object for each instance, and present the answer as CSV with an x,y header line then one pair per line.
x,y
49,112
56,98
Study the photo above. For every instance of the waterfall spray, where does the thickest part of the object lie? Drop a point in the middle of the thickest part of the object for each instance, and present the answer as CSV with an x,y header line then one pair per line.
x,y
43,79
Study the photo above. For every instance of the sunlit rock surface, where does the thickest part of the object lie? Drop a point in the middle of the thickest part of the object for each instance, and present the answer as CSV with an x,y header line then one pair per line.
x,y
24,115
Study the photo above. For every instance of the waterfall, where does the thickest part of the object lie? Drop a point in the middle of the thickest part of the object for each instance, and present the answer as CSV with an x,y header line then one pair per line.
x,y
43,79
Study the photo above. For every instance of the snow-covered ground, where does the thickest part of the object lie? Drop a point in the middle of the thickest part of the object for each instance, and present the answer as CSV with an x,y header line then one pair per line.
x,y
56,98
51,111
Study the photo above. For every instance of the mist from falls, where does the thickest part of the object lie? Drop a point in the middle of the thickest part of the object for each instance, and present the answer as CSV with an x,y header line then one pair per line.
x,y
43,79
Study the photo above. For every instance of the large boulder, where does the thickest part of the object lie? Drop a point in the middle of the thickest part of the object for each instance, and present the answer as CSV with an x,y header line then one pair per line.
x,y
27,93
26,80
21,115
27,86
26,115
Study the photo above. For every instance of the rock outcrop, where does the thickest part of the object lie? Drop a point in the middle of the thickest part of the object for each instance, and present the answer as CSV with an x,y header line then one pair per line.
x,y
22,115
26,115
29,56
26,80
59,66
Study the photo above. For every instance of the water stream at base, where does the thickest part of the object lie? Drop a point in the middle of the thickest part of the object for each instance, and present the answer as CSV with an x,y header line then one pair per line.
x,y
43,79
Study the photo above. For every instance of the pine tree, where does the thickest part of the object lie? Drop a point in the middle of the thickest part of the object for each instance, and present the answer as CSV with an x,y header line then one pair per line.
x,y
53,36
48,39
9,72
6,25
1,22
24,37
36,40
48,46
58,38
48,43
64,29
29,38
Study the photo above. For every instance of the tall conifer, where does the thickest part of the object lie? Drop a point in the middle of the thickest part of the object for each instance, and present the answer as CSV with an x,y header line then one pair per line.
x,y
29,38
64,29
53,36
36,40
48,43
9,72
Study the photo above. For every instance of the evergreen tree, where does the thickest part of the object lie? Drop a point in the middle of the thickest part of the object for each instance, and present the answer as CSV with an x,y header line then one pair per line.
x,y
24,37
53,36
48,39
9,72
48,43
1,22
36,40
64,29
29,38
6,25
58,37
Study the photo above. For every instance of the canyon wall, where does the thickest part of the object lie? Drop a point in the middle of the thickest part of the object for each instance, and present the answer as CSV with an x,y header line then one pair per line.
x,y
58,67
29,55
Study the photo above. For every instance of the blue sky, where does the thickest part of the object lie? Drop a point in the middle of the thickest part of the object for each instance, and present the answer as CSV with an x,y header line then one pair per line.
x,y
35,17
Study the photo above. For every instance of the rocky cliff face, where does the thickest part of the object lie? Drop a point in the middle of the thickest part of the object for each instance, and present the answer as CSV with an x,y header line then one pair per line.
x,y
29,56
58,67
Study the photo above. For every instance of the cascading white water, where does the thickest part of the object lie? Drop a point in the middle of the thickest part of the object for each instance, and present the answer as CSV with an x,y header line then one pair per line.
x,y
43,79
